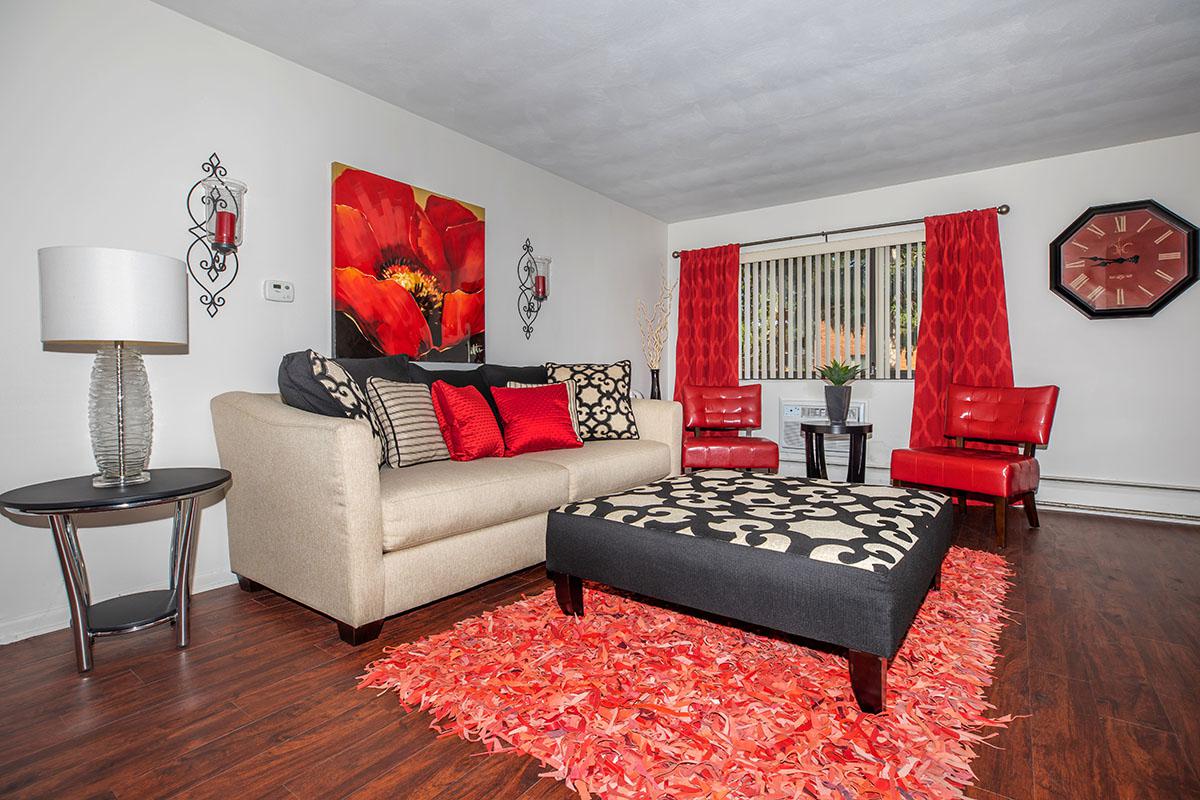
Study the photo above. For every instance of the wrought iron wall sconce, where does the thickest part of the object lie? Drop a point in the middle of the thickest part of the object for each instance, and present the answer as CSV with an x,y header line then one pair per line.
x,y
533,284
216,204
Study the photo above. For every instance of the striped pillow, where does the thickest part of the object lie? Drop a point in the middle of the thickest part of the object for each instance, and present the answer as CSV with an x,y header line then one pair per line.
x,y
571,405
410,428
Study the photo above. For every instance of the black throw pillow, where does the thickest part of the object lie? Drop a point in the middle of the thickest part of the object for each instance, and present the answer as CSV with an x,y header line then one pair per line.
x,y
390,368
497,375
299,388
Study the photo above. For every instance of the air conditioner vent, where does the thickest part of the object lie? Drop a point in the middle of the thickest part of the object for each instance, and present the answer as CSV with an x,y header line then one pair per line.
x,y
794,413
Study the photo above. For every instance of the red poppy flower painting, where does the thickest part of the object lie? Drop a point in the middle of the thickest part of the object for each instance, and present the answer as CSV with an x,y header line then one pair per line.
x,y
407,271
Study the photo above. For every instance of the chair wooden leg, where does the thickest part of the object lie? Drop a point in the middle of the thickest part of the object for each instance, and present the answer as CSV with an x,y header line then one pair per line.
x,y
568,591
362,634
1001,506
1031,510
868,679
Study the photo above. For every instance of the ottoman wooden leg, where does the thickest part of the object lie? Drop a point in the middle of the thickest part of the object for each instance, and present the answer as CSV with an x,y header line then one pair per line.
x,y
568,591
868,678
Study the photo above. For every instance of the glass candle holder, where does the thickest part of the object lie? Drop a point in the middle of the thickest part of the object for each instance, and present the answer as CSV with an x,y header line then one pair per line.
x,y
225,199
541,278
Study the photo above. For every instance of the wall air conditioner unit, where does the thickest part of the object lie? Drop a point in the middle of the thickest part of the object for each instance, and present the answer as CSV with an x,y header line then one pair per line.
x,y
794,413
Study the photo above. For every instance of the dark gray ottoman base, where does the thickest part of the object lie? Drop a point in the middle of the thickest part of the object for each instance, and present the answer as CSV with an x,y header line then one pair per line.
x,y
847,565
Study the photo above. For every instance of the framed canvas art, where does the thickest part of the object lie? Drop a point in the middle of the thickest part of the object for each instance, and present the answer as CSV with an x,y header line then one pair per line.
x,y
407,271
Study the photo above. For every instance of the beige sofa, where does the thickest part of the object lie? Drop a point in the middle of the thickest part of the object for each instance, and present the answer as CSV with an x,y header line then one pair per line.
x,y
314,519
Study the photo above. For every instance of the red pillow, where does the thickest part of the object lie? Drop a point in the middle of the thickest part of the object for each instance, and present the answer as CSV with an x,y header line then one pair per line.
x,y
535,418
467,422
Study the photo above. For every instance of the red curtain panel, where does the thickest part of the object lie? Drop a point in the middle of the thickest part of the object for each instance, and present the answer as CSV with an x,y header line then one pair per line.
x,y
964,318
706,350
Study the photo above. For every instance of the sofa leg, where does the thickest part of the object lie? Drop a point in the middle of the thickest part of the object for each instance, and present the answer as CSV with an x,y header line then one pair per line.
x,y
936,583
897,484
1031,510
868,679
1000,504
362,634
247,585
568,591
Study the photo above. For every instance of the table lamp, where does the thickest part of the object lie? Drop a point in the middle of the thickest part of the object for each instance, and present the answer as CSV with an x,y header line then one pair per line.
x,y
119,298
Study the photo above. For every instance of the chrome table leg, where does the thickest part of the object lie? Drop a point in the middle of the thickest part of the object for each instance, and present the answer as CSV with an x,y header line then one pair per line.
x,y
183,550
70,557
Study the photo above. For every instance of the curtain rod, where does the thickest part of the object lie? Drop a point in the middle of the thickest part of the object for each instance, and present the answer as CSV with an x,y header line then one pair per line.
x,y
1000,209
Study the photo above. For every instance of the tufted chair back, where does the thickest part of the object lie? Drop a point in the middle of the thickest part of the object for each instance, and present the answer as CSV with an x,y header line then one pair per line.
x,y
1001,413
722,407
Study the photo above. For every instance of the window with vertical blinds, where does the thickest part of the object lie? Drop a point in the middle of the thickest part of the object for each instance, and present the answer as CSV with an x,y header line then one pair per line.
x,y
857,301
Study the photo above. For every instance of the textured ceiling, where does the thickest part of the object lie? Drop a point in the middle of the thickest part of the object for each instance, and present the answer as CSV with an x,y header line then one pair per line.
x,y
686,109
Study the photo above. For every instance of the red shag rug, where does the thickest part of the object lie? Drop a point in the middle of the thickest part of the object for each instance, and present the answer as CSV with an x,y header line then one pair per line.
x,y
637,701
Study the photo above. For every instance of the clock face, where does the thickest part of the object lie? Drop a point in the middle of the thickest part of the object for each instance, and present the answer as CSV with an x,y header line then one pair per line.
x,y
1124,260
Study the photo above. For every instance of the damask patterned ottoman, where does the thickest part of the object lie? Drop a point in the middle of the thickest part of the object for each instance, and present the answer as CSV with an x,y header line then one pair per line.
x,y
844,564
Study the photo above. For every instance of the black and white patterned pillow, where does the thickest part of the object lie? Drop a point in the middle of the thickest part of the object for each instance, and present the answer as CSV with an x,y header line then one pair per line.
x,y
410,427
348,394
572,405
601,397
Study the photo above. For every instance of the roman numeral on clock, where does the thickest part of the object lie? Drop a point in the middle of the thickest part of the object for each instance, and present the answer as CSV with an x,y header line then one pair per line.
x,y
1145,224
1168,256
1079,282
1075,264
1121,224
1080,245
1146,291
1120,297
1163,237
1096,229
1165,276
1094,293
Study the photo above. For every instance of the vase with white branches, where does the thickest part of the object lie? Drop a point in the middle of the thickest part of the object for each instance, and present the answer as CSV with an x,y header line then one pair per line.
x,y
653,321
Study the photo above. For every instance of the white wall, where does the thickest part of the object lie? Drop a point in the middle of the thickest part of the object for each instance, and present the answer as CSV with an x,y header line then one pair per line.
x,y
1130,388
109,110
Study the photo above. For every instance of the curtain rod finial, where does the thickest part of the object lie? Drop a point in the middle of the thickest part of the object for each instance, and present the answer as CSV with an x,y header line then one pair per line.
x,y
674,254
1002,208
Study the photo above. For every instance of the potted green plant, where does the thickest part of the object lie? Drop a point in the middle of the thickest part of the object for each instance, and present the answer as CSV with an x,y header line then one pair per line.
x,y
837,393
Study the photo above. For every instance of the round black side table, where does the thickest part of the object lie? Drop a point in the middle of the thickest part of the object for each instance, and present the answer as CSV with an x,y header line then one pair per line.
x,y
814,448
58,500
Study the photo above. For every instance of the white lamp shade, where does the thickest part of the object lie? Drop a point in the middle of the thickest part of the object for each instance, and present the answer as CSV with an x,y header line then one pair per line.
x,y
102,294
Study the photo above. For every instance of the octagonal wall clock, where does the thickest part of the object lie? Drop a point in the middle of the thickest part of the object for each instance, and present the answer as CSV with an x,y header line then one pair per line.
x,y
1124,260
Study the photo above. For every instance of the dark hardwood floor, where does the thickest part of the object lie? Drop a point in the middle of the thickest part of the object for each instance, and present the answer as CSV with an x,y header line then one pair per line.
x,y
1101,662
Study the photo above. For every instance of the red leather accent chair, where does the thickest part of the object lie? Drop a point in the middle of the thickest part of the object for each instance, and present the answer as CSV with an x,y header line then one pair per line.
x,y
713,420
996,415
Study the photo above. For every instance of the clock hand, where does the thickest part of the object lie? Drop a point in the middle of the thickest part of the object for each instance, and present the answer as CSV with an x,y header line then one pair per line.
x,y
1104,262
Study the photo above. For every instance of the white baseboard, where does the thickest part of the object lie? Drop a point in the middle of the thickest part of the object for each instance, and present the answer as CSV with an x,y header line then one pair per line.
x,y
59,617
1116,499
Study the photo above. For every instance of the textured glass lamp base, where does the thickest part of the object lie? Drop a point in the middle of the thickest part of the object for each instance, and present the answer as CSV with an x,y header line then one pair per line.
x,y
103,481
120,416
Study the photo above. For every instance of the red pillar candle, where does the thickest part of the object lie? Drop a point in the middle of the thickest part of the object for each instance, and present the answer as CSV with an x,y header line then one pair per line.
x,y
539,287
226,229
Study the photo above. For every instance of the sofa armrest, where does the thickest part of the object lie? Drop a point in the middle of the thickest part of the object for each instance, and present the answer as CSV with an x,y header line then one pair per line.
x,y
662,421
304,509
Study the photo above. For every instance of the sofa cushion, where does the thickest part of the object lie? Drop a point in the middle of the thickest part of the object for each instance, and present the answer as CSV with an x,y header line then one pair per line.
x,y
410,427
499,375
311,382
602,398
536,418
467,424
608,466
437,499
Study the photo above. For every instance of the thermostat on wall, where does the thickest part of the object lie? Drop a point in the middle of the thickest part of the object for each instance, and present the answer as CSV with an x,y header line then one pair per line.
x,y
279,291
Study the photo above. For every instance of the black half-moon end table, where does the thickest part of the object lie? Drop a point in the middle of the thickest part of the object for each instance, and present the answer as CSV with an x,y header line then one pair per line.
x,y
58,500
814,448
